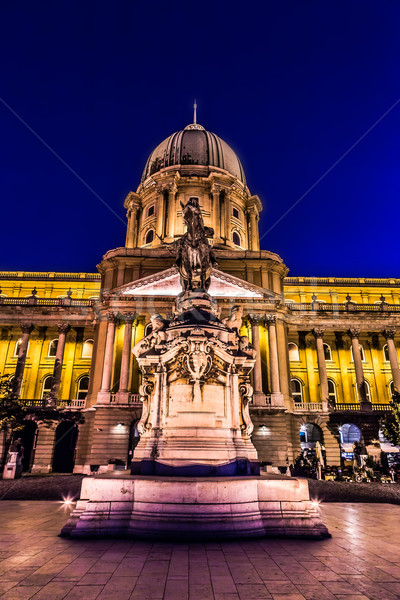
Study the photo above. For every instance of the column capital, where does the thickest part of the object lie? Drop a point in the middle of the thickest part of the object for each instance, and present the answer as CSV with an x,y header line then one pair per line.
x,y
216,188
112,317
389,333
254,318
318,333
128,317
270,319
353,332
27,327
63,327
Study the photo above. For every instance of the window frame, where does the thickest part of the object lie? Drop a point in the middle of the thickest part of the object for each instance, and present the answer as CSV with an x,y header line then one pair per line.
x,y
326,345
295,350
235,232
150,230
48,390
50,346
83,347
296,394
78,388
334,393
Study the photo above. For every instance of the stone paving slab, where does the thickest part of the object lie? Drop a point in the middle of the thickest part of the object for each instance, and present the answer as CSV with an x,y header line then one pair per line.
x,y
360,562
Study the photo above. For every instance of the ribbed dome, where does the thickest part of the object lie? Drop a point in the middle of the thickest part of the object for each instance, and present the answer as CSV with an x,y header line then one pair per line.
x,y
194,146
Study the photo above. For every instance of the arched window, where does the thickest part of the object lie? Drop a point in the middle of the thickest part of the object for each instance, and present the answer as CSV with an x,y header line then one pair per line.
x,y
149,236
332,395
17,347
293,351
150,211
386,353
235,213
349,433
361,352
87,349
391,390
297,390
327,352
46,386
53,348
83,387
236,239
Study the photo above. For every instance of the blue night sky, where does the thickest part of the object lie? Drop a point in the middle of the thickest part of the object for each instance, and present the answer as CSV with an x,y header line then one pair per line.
x,y
291,85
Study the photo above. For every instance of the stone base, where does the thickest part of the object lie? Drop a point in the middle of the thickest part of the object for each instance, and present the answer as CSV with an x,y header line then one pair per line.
x,y
194,508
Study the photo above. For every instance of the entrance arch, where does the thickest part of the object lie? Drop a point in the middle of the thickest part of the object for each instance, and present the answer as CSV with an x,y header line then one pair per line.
x,y
310,434
28,438
64,447
350,433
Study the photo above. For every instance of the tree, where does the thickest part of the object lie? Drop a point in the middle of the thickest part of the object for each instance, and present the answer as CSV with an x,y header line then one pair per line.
x,y
390,423
12,415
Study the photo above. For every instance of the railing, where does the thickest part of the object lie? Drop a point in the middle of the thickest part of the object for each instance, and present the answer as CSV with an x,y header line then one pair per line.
x,y
132,399
355,407
308,406
380,407
346,307
47,302
47,403
340,281
346,406
51,275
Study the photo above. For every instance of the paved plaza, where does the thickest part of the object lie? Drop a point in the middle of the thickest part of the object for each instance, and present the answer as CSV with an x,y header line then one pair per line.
x,y
360,562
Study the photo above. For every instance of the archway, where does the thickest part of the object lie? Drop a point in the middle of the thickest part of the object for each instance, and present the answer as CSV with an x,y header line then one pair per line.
x,y
28,436
310,434
134,439
64,447
349,433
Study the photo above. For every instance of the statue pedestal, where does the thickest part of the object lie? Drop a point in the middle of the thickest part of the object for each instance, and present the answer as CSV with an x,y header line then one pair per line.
x,y
194,508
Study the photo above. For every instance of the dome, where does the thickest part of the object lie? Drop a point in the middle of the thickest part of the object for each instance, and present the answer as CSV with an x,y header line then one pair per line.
x,y
194,146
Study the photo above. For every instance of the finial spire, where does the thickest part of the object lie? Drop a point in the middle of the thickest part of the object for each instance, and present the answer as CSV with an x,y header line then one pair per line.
x,y
195,112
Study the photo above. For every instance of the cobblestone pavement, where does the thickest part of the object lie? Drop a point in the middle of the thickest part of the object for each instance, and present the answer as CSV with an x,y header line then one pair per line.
x,y
360,562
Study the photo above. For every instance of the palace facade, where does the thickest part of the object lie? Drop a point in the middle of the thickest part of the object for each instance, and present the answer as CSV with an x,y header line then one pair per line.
x,y
327,348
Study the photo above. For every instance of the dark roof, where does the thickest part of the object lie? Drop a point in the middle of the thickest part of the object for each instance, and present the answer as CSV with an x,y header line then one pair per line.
x,y
194,146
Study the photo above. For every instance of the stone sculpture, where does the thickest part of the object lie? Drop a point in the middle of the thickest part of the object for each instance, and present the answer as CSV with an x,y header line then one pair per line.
x,y
195,257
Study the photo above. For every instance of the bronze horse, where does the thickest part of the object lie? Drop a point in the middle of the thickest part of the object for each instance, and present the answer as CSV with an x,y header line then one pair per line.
x,y
195,257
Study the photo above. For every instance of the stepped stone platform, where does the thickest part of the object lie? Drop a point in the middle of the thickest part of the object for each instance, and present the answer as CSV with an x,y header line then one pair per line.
x,y
120,505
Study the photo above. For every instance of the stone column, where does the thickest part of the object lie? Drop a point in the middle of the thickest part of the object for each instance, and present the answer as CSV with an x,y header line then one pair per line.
x,y
27,328
259,398
394,361
216,209
129,229
171,213
104,394
276,395
354,333
160,207
323,377
227,217
63,329
123,393
253,237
